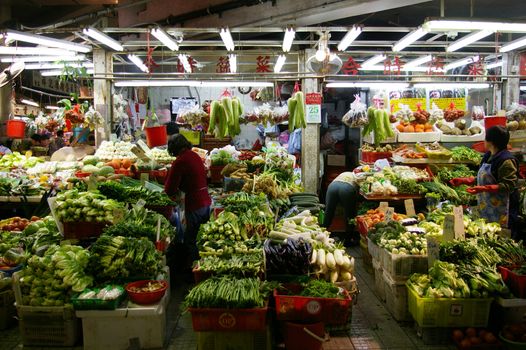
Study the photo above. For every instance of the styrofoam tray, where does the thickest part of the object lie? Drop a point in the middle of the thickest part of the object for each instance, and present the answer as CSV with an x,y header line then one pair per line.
x,y
518,134
418,136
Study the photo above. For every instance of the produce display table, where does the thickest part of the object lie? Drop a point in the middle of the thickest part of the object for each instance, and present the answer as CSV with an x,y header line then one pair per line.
x,y
397,197
398,159
115,329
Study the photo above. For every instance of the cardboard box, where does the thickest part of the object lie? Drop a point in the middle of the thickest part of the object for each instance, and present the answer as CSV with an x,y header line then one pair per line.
x,y
335,160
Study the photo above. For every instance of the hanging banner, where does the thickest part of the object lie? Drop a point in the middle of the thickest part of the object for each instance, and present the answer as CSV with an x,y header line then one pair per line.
x,y
522,64
443,98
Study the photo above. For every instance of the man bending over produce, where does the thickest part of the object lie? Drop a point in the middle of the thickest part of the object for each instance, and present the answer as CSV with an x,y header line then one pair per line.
x,y
188,175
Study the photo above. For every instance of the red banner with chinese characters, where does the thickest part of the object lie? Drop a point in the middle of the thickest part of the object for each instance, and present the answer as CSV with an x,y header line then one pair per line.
x,y
522,67
313,98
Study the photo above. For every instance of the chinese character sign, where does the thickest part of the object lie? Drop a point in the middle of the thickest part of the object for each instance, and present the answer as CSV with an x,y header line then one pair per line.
x,y
350,67
191,61
476,68
223,65
393,66
263,64
436,66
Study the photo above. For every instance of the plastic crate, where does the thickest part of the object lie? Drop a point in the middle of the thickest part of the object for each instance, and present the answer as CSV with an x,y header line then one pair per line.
x,y
333,311
448,312
396,298
516,282
7,309
400,267
374,250
379,280
83,230
48,326
234,320
234,340
114,329
434,336
371,157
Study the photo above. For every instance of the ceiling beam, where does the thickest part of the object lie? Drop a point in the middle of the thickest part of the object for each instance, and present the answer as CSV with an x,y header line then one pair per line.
x,y
75,2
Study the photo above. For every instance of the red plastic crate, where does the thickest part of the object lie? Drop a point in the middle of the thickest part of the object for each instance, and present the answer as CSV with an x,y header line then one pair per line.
x,y
371,157
331,311
516,282
234,320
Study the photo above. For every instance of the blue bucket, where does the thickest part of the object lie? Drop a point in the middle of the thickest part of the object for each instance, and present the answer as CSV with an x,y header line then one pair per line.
x,y
78,131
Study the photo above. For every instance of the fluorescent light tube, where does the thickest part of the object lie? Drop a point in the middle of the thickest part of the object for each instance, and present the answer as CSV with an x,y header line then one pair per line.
x,y
279,63
46,41
12,50
379,85
393,69
290,33
103,38
418,61
515,44
522,88
227,39
494,65
349,38
451,86
31,66
57,72
184,61
42,59
461,62
29,102
468,39
450,25
373,60
138,62
52,107
192,83
232,62
409,39
165,39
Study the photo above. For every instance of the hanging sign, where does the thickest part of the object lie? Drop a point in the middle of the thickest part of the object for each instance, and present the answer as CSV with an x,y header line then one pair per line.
x,y
409,97
350,67
313,107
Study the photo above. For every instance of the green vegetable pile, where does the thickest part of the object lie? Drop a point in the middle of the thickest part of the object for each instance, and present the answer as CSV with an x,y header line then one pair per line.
x,y
51,280
445,174
224,227
114,259
229,292
445,192
21,186
75,206
321,289
443,281
132,194
140,222
386,230
15,160
221,158
465,154
407,243
228,247
244,265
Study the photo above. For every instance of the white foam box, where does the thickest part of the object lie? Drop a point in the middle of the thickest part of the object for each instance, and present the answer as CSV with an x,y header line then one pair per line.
x,y
418,136
115,329
400,266
396,298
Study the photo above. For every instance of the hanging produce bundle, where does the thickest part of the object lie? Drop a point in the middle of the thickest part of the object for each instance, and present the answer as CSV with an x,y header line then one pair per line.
x,y
452,113
357,115
224,117
379,124
296,106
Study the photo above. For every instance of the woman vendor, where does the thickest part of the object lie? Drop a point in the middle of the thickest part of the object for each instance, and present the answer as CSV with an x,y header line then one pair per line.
x,y
343,190
496,190
188,174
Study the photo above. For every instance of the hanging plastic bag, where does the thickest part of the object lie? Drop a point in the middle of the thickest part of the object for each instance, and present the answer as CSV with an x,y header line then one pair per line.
x,y
477,113
436,114
357,115
295,142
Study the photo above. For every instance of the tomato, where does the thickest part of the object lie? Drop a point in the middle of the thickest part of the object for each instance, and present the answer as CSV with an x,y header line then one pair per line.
x,y
471,332
490,338
458,335
475,340
465,344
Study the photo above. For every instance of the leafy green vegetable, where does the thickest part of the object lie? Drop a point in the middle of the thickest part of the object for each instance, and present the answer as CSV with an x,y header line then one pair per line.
x,y
463,154
321,289
445,174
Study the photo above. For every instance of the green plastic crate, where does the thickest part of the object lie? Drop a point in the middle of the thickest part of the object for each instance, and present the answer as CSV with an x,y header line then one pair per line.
x,y
448,312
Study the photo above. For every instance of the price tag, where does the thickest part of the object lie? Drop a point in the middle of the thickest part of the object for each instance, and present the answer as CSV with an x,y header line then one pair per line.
x,y
158,229
141,203
144,177
433,250
389,214
383,206
449,228
92,182
409,207
459,222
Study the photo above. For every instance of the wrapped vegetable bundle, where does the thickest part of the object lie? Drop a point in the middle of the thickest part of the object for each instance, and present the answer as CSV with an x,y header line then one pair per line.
x,y
52,279
296,107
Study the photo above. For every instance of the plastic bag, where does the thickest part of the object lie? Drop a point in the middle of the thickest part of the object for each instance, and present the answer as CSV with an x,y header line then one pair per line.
x,y
404,113
436,113
357,115
516,112
477,113
295,142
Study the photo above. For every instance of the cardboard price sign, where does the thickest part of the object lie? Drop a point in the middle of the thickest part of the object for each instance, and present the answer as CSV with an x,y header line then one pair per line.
x,y
409,207
433,250
458,214
449,228
383,206
389,214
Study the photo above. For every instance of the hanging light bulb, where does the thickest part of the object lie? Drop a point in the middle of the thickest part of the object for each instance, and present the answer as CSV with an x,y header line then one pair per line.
x,y
323,48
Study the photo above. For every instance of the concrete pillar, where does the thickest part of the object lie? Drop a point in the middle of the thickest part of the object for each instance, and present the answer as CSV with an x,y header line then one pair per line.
x,y
310,138
102,97
511,86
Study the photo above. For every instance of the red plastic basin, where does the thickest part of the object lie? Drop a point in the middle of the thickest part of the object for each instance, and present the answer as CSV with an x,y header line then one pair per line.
x,y
145,298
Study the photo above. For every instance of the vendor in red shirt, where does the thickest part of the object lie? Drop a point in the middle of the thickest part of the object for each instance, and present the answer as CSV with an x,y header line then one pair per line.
x,y
188,175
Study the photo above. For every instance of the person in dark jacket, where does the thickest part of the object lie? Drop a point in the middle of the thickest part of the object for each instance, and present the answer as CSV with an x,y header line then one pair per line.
x,y
497,181
188,174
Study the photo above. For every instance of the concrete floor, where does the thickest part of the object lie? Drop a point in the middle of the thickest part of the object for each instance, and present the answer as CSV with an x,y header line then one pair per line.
x,y
372,325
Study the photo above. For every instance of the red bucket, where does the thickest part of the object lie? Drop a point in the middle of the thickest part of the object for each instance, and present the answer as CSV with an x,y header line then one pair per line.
x,y
304,336
156,136
16,129
493,121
